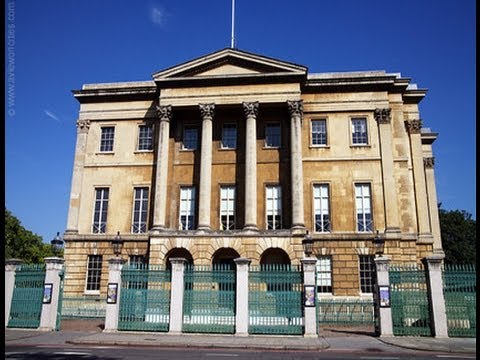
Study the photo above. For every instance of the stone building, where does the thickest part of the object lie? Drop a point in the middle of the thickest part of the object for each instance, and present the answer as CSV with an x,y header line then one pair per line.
x,y
235,154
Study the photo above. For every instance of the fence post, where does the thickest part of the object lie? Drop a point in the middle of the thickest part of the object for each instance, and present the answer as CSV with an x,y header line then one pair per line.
x,y
11,266
176,295
382,297
241,311
54,271
435,294
309,303
115,265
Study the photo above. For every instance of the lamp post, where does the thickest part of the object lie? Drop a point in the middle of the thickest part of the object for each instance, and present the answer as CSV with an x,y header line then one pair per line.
x,y
307,243
57,244
117,244
379,244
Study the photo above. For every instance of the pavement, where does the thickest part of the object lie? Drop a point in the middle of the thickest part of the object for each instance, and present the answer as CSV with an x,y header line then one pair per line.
x,y
346,341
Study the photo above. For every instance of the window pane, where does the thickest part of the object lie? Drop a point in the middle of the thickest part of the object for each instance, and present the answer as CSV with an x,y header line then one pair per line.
x,y
274,207
359,131
187,208
366,264
229,136
319,132
363,208
145,137
190,137
321,208
324,274
94,272
272,135
106,140
227,208
100,210
140,210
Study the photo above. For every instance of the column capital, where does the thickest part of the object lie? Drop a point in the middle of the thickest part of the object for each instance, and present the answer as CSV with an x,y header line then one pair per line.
x,y
242,261
207,111
250,109
83,125
429,162
295,107
382,116
165,112
382,263
414,126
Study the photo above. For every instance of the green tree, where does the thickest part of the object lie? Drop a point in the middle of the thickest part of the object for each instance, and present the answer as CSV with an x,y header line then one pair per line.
x,y
21,243
459,235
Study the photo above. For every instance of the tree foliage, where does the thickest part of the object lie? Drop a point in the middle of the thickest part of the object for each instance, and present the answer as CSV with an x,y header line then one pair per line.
x,y
459,235
21,243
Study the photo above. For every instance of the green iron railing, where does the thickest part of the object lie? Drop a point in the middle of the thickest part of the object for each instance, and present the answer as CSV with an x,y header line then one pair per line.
x,y
275,299
26,308
343,311
409,301
460,292
83,307
144,298
209,299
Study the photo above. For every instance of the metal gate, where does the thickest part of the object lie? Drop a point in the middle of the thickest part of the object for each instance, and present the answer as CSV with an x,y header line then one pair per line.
x,y
409,301
144,298
27,298
275,299
460,292
209,299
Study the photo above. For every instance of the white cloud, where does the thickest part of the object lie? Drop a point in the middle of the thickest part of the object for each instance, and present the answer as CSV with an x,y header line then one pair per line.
x,y
52,115
157,15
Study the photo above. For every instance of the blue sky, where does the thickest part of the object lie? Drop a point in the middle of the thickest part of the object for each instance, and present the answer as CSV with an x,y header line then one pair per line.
x,y
55,46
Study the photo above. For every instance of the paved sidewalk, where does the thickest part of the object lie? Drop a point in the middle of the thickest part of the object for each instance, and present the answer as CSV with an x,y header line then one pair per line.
x,y
356,342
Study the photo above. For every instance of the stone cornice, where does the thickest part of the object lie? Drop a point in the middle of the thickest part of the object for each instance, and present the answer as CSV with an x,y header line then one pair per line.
x,y
108,92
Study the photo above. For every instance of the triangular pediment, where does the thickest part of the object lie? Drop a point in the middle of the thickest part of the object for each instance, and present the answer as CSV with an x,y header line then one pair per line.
x,y
229,63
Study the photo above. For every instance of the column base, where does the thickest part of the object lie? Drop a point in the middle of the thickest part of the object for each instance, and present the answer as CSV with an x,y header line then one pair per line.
x,y
202,229
250,228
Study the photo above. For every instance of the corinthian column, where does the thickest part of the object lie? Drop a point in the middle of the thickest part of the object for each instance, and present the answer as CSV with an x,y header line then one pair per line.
x,y
432,203
251,111
76,188
160,205
295,108
414,129
383,118
207,111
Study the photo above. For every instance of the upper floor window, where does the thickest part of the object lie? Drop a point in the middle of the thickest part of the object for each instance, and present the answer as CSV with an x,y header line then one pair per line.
x,y
145,137
320,208
273,135
190,137
94,273
227,207
187,208
319,132
100,210
359,131
363,203
229,136
106,140
366,264
324,274
274,207
140,210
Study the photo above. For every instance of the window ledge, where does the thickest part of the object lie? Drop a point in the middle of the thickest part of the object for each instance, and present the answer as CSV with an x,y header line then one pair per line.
x,y
360,146
105,153
143,151
319,146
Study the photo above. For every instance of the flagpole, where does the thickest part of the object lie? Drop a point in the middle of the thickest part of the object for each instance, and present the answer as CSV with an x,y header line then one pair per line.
x,y
232,45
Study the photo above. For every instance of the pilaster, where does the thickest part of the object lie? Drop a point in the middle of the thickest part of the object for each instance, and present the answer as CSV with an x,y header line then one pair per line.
x,y
295,108
159,215
382,284
251,112
114,277
436,296
310,312
207,111
241,313
83,125
176,295
383,118
414,130
429,163
53,275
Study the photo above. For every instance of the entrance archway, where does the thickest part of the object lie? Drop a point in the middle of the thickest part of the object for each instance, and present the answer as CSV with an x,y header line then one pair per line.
x,y
274,256
225,256
178,253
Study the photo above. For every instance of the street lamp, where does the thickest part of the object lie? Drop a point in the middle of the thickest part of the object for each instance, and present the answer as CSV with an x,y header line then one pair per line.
x,y
117,244
57,244
379,244
307,243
